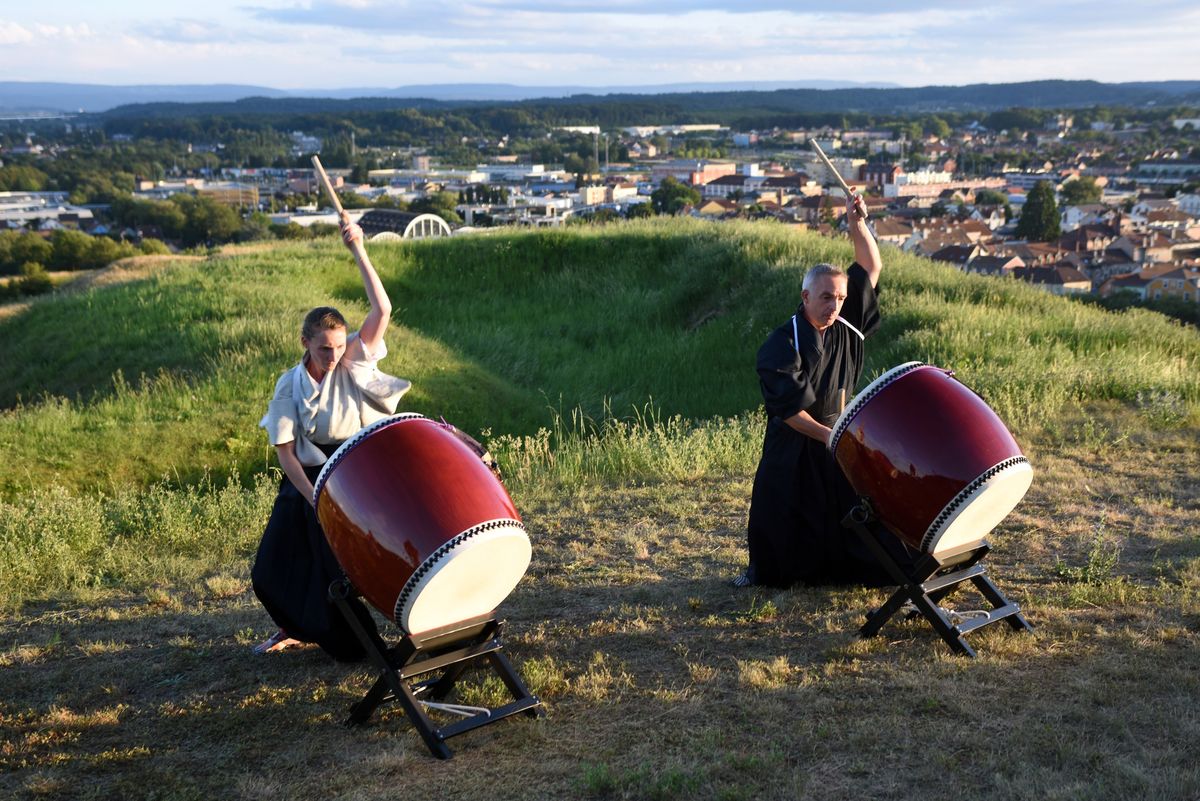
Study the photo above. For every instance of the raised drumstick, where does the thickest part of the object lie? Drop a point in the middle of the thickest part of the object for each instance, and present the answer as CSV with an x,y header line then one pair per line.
x,y
841,182
820,154
337,204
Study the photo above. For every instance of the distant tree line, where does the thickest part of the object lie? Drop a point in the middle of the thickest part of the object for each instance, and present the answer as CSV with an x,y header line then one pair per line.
x,y
614,110
66,250
359,133
29,257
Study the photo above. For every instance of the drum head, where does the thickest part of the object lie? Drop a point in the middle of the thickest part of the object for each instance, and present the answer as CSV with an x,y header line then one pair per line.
x,y
979,508
467,577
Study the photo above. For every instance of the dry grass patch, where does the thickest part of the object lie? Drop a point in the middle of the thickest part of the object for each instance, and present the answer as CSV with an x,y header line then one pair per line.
x,y
663,682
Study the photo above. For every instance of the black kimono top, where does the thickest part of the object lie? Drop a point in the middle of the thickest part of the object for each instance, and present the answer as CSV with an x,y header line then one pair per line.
x,y
802,369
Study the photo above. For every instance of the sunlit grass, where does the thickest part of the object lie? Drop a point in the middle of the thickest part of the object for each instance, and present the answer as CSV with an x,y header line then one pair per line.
x,y
514,333
615,355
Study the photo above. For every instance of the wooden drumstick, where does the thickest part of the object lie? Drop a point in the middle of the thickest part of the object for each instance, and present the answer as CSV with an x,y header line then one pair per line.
x,y
829,164
337,204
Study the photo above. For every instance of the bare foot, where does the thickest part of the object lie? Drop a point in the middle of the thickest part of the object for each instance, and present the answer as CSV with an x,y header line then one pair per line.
x,y
276,642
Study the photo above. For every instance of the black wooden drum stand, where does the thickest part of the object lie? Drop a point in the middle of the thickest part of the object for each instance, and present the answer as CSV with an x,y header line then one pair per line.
x,y
929,582
447,652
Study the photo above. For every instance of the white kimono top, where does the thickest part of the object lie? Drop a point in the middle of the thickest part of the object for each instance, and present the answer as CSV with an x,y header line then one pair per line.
x,y
352,395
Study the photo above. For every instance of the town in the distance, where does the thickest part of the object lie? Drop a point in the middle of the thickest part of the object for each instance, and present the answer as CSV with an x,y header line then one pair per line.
x,y
1072,202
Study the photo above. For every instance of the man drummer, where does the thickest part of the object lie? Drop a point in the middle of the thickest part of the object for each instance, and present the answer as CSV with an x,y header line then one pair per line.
x,y
808,368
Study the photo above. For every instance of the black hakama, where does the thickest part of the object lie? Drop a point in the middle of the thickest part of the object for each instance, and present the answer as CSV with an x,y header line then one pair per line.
x,y
800,494
292,573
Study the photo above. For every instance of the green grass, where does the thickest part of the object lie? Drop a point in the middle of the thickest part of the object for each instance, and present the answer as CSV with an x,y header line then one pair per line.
x,y
514,332
611,372
661,681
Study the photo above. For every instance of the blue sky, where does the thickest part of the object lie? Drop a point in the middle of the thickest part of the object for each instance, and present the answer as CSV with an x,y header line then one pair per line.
x,y
333,43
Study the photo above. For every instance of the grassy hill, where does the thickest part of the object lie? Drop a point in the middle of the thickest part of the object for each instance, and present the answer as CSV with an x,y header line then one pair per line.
x,y
611,370
512,332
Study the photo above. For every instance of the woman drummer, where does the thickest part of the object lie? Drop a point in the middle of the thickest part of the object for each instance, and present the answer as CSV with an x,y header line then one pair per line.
x,y
335,390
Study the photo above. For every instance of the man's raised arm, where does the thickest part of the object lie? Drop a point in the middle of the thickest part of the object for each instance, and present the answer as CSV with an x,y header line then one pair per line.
x,y
866,251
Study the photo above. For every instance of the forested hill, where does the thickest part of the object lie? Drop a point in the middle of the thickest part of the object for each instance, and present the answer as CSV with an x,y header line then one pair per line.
x,y
718,106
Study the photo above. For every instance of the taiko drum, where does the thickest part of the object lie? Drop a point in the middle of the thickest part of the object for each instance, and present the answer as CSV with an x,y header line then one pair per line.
x,y
421,526
940,468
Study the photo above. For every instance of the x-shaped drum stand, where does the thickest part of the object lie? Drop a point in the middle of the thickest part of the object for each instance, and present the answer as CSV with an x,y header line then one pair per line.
x,y
447,653
931,580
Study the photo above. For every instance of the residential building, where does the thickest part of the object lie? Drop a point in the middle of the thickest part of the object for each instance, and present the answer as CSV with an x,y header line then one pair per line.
x,y
624,191
958,255
997,265
1028,180
893,230
1072,217
879,173
1089,240
726,185
696,173
1162,172
1189,204
908,185
1136,282
592,195
717,207
1182,283
1058,279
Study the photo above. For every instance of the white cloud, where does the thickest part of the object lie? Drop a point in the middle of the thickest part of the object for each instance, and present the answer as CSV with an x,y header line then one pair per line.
x,y
199,31
69,33
11,33
601,42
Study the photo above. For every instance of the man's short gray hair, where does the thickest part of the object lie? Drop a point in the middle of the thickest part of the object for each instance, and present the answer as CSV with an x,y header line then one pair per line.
x,y
818,270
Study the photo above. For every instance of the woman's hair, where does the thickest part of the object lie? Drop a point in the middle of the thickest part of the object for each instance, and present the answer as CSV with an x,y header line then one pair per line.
x,y
819,270
322,318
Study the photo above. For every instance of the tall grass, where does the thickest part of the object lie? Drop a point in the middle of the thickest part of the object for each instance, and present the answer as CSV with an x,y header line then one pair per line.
x,y
577,450
166,377
1032,355
55,542
621,354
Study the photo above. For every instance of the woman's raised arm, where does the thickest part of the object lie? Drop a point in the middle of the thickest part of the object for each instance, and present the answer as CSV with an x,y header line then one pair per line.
x,y
375,324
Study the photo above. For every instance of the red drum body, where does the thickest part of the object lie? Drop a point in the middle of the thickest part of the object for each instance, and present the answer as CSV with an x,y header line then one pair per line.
x,y
421,526
939,466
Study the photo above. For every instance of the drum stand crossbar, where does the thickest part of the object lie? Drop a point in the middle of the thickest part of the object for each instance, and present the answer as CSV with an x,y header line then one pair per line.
x,y
929,582
447,652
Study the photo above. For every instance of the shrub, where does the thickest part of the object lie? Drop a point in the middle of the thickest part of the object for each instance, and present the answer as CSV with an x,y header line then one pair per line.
x,y
34,279
154,247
